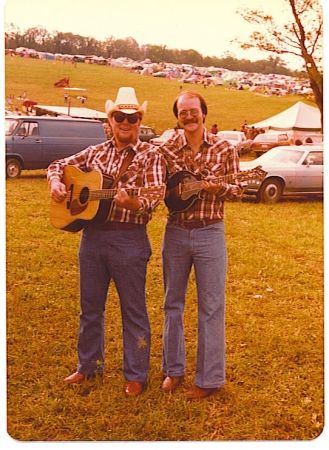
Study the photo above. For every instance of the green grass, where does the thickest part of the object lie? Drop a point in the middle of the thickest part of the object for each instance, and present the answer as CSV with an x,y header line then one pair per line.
x,y
274,384
227,108
274,319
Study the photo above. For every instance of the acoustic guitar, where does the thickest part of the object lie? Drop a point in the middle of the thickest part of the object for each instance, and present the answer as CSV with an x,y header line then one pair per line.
x,y
184,187
88,199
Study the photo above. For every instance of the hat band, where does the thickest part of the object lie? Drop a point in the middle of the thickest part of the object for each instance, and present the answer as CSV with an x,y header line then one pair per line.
x,y
123,106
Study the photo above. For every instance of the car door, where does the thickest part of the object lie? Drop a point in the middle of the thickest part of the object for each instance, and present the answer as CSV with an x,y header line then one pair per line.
x,y
27,143
310,172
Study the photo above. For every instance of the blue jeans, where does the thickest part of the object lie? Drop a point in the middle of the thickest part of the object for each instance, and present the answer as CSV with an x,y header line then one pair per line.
x,y
205,249
121,255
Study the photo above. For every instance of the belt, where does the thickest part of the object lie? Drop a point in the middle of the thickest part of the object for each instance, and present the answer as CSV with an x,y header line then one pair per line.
x,y
194,224
120,226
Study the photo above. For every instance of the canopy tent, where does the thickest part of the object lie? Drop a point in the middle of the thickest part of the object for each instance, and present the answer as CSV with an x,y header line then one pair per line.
x,y
300,119
81,113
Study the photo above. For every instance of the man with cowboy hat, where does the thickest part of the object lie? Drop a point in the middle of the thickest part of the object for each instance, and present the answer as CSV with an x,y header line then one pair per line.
x,y
118,249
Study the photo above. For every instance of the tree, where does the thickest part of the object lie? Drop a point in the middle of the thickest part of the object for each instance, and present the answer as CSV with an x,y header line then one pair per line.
x,y
156,53
302,37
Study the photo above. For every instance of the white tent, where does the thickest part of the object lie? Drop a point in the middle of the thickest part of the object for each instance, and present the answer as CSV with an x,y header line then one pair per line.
x,y
300,120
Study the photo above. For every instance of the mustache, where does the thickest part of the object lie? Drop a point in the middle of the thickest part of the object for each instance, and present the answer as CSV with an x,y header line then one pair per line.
x,y
186,122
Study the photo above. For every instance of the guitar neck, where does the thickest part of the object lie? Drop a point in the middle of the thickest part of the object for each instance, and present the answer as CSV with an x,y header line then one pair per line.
x,y
107,194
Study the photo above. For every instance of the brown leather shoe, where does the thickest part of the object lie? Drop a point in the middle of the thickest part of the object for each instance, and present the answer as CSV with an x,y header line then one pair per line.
x,y
133,388
170,384
75,378
197,393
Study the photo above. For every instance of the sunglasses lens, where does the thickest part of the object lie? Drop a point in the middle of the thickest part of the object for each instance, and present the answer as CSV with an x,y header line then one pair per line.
x,y
133,118
120,117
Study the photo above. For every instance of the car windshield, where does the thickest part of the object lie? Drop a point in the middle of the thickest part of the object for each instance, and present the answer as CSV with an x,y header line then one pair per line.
x,y
266,138
231,136
10,126
280,155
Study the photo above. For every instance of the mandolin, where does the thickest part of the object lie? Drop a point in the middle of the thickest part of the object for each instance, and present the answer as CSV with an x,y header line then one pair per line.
x,y
184,187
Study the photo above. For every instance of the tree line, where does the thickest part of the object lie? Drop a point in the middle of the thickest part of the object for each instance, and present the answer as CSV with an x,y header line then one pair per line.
x,y
42,40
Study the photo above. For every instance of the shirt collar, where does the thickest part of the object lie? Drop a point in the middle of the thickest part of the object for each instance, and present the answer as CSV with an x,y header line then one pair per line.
x,y
135,147
207,137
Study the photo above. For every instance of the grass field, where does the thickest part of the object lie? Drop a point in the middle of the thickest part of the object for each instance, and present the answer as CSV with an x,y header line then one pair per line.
x,y
227,108
274,320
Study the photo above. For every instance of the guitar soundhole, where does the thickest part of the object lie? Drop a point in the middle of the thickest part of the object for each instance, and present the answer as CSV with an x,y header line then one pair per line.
x,y
84,195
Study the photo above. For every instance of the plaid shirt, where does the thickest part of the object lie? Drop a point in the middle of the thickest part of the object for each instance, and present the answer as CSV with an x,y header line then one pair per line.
x,y
217,157
147,169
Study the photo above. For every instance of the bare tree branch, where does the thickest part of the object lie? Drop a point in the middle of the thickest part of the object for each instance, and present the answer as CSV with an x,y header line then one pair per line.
x,y
301,36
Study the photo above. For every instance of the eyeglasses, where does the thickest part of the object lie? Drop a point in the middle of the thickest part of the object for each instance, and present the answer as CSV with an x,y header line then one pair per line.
x,y
184,113
120,117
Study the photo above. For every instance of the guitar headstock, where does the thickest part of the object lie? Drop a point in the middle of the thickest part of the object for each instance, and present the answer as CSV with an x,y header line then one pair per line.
x,y
154,192
256,174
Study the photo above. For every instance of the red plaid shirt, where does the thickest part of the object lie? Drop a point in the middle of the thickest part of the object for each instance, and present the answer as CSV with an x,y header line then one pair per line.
x,y
216,156
147,169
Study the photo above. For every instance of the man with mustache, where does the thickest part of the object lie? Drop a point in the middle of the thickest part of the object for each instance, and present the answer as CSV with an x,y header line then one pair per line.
x,y
195,237
118,249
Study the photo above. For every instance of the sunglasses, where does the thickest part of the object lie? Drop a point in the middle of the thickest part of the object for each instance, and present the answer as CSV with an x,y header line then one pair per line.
x,y
120,117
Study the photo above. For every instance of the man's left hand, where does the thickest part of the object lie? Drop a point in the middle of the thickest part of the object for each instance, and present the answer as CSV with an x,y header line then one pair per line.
x,y
211,187
123,200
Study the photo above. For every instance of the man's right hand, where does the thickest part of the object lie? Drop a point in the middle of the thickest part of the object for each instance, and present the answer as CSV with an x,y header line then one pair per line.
x,y
57,190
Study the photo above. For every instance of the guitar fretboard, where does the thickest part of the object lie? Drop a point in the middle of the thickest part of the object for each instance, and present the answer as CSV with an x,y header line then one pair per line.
x,y
106,194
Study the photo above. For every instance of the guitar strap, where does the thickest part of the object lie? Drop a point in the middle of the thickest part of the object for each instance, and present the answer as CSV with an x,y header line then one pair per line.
x,y
124,166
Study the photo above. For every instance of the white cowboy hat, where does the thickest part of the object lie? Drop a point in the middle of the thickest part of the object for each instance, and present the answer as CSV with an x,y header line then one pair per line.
x,y
125,102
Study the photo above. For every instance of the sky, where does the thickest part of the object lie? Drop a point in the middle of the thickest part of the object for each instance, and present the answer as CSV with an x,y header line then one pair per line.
x,y
207,26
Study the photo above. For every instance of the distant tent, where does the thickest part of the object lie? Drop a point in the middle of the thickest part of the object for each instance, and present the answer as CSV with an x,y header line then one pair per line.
x,y
82,113
300,116
299,120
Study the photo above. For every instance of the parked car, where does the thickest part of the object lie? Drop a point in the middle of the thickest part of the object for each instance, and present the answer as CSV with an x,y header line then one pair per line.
x,y
236,138
265,141
165,136
33,142
146,133
295,170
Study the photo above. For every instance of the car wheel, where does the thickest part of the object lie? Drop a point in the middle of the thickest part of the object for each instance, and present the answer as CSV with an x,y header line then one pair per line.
x,y
13,168
270,191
